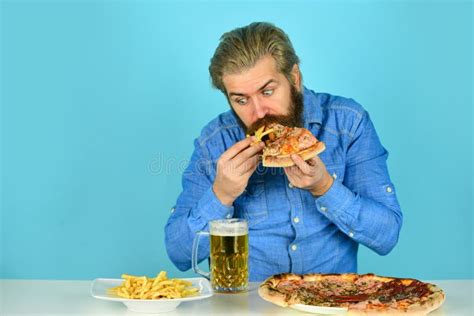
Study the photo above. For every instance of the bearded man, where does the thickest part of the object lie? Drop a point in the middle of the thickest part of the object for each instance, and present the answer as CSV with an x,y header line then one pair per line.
x,y
307,218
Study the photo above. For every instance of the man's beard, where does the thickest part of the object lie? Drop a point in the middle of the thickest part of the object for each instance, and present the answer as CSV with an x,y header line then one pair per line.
x,y
294,118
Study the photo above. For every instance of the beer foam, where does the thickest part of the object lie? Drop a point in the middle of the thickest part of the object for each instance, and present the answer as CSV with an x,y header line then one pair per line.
x,y
228,227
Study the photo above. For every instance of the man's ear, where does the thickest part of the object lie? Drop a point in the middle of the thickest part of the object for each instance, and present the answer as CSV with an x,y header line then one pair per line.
x,y
296,75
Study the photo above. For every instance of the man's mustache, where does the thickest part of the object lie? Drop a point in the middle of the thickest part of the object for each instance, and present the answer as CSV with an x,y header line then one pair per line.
x,y
292,119
287,120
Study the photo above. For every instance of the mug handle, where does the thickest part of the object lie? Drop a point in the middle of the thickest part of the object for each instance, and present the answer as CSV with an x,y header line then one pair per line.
x,y
194,257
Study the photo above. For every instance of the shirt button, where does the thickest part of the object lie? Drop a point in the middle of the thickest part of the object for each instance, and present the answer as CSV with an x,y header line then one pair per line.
x,y
290,185
293,247
172,209
296,220
351,234
323,208
389,190
334,175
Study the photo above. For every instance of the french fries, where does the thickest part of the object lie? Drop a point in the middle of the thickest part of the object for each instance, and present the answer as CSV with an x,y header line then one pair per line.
x,y
259,133
161,287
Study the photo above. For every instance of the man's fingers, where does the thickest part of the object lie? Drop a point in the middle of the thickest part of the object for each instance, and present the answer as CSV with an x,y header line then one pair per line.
x,y
237,148
295,171
302,165
250,167
290,174
247,153
249,164
312,162
315,161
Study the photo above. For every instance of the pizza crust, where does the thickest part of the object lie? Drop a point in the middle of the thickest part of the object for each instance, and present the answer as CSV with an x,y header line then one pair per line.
x,y
267,292
286,161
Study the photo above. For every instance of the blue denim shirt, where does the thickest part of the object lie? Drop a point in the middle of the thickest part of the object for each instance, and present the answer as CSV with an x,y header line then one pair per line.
x,y
289,229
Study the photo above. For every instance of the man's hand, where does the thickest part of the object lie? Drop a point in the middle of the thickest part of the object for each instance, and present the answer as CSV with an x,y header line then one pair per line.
x,y
310,175
234,169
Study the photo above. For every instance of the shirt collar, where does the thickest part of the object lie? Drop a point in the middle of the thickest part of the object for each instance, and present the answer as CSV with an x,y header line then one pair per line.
x,y
312,108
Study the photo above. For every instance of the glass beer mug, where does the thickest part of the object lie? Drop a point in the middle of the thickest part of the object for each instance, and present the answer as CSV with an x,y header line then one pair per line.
x,y
229,252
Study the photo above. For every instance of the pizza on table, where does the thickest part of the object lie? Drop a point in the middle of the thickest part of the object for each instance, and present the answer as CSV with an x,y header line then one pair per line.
x,y
366,294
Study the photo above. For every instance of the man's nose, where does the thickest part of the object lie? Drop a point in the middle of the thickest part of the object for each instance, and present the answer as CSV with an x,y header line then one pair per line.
x,y
260,109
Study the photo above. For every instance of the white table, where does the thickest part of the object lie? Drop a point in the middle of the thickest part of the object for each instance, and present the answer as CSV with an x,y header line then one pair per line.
x,y
35,297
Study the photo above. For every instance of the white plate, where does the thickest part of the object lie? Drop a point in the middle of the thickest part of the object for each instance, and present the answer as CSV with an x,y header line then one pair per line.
x,y
100,286
319,309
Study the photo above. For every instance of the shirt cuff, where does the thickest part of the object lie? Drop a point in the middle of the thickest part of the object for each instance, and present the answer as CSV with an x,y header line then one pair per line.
x,y
210,208
336,201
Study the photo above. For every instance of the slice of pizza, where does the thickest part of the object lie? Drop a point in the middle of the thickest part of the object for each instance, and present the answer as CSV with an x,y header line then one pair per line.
x,y
282,141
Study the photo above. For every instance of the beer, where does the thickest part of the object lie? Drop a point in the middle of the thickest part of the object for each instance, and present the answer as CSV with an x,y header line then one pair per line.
x,y
229,268
229,252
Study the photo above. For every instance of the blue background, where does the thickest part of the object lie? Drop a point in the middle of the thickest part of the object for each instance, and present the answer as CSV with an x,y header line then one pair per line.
x,y
101,101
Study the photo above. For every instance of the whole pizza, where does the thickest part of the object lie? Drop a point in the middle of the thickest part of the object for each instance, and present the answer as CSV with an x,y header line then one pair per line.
x,y
282,141
366,294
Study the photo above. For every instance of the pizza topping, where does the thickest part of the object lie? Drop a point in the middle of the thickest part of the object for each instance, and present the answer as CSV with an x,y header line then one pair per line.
x,y
306,140
350,298
279,130
368,284
288,148
396,290
290,285
273,149
310,297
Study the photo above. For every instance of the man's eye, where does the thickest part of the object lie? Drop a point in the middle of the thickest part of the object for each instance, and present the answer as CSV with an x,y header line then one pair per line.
x,y
242,101
268,92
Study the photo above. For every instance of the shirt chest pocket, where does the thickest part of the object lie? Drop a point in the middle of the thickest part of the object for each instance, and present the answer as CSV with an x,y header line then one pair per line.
x,y
252,204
